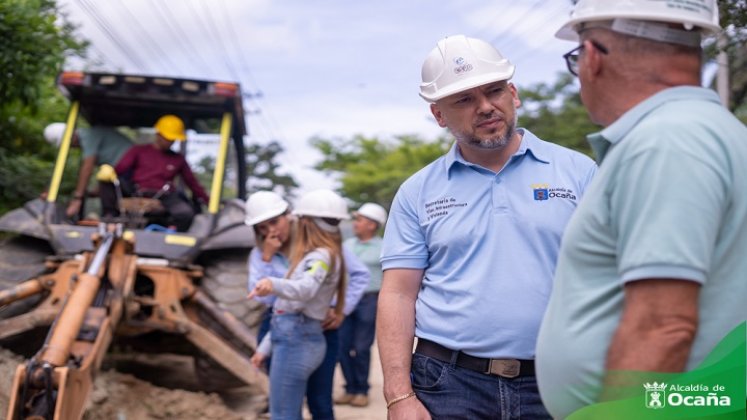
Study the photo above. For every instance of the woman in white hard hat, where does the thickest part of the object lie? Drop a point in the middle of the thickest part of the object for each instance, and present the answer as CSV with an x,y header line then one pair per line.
x,y
316,274
274,226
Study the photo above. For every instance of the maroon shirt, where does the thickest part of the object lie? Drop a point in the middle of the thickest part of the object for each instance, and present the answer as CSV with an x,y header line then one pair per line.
x,y
152,169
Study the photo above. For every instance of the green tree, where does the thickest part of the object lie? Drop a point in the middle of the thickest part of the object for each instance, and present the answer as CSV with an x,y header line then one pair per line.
x,y
263,169
34,41
372,169
554,112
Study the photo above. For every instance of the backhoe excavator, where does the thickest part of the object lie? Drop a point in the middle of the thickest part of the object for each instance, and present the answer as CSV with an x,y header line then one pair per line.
x,y
72,290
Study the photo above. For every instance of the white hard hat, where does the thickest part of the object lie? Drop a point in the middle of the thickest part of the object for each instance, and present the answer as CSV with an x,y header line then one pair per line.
x,y
459,63
322,203
53,133
702,14
264,205
374,212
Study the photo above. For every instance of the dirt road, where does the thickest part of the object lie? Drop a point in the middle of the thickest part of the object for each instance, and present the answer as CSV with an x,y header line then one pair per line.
x,y
146,387
377,407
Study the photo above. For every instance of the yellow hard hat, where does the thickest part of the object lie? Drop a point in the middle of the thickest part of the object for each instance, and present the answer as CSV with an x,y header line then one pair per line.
x,y
171,128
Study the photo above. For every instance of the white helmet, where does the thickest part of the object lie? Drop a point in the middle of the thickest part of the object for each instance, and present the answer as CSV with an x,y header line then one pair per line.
x,y
53,133
264,205
700,13
374,212
459,63
322,203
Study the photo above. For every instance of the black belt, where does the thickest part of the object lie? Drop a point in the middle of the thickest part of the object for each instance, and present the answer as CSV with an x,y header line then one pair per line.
x,y
507,368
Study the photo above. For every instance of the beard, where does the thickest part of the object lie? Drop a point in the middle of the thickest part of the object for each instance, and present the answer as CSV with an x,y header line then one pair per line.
x,y
495,142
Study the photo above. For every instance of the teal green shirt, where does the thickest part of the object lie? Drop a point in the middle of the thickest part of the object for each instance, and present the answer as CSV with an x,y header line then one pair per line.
x,y
669,201
369,253
106,143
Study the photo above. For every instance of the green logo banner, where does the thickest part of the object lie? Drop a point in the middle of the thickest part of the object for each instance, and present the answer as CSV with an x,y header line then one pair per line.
x,y
714,390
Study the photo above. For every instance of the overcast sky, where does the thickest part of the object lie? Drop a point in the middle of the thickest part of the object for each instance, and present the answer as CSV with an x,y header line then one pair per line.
x,y
328,68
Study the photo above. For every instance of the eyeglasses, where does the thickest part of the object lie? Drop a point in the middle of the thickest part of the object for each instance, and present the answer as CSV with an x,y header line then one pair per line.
x,y
571,57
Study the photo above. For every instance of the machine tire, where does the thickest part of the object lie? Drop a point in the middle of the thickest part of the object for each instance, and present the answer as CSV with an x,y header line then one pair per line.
x,y
225,281
21,258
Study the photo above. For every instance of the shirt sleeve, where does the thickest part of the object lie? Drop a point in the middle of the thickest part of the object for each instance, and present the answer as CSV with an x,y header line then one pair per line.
x,y
259,269
404,243
358,279
128,161
192,183
306,279
265,346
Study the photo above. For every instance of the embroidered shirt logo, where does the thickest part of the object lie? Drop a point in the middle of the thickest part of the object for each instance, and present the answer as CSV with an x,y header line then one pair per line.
x,y
542,192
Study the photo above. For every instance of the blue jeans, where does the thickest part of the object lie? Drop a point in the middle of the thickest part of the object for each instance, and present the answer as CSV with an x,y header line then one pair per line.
x,y
452,392
356,337
298,348
319,388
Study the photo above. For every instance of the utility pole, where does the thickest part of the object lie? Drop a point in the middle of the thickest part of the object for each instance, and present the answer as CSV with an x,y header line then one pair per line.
x,y
722,74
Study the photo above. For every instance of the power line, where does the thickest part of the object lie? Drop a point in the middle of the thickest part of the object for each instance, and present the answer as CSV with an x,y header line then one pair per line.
x,y
150,43
540,24
509,26
101,22
210,29
178,35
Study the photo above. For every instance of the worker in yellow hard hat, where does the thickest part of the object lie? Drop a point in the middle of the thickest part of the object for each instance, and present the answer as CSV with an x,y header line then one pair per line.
x,y
153,167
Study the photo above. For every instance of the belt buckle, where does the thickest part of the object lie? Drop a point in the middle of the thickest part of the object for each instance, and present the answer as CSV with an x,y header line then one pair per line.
x,y
507,368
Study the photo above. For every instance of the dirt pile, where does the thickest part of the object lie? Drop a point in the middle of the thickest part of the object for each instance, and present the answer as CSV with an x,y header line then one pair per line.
x,y
121,396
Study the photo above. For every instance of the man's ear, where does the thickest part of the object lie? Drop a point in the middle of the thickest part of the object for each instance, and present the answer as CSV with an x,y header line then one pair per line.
x,y
438,115
592,57
514,95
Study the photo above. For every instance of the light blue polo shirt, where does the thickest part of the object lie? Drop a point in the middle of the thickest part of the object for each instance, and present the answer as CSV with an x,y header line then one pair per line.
x,y
669,201
488,243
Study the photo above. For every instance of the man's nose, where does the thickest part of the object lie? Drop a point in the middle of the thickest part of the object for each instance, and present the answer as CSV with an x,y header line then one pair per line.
x,y
484,104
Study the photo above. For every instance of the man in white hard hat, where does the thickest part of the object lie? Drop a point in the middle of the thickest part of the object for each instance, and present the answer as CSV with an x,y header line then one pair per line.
x,y
651,274
99,145
357,331
469,248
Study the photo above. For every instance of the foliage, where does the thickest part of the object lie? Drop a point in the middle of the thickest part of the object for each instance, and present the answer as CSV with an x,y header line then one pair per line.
x,y
34,42
20,180
554,112
262,169
372,169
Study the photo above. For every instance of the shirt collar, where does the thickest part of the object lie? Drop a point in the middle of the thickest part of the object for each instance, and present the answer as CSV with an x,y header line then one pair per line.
x,y
530,145
602,141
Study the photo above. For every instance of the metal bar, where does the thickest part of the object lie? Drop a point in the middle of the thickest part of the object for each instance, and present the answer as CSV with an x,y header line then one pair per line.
x,y
227,320
220,163
20,291
59,167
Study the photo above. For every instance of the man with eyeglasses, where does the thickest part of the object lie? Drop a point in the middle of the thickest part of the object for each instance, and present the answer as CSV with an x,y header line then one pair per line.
x,y
470,246
651,273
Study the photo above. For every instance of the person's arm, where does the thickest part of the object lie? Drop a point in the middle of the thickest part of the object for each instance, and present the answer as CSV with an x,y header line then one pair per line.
x,y
127,162
358,279
259,269
192,183
656,330
395,329
303,287
84,174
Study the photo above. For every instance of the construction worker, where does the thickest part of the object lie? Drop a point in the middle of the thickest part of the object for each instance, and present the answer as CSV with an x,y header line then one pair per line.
x,y
274,225
100,145
358,330
469,248
151,168
651,274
